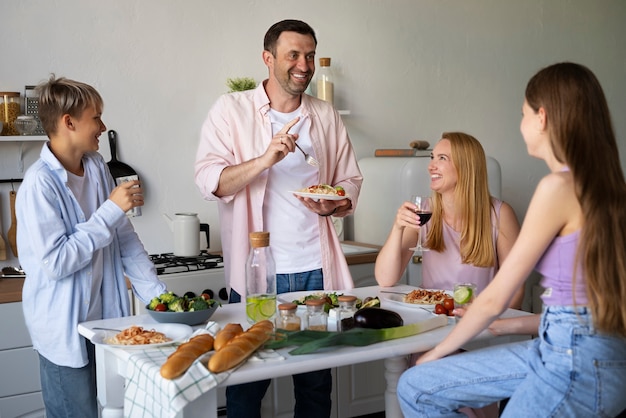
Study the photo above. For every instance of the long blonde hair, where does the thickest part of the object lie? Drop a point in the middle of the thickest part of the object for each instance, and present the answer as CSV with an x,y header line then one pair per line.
x,y
581,133
472,200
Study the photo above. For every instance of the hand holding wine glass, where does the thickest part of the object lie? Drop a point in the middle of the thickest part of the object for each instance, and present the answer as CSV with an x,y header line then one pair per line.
x,y
423,208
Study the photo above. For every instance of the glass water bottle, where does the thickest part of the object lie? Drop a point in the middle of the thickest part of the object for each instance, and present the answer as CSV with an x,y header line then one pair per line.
x,y
260,279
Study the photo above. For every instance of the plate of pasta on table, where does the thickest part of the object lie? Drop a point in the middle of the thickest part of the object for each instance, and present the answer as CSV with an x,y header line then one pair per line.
x,y
419,298
322,191
143,336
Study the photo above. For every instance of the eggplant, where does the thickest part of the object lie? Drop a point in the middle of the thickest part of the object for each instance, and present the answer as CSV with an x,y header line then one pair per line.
x,y
377,318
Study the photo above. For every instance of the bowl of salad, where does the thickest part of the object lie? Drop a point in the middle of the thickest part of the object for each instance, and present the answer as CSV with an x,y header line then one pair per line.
x,y
188,309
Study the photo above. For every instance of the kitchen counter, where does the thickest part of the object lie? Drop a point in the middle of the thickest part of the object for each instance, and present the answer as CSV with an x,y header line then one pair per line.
x,y
356,253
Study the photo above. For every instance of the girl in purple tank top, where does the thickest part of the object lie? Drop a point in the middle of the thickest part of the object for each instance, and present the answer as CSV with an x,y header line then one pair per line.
x,y
574,233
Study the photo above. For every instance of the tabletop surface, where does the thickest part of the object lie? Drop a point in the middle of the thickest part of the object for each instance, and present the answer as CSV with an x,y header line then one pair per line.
x,y
340,356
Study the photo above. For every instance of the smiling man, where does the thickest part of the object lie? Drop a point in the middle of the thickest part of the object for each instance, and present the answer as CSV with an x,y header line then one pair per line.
x,y
246,162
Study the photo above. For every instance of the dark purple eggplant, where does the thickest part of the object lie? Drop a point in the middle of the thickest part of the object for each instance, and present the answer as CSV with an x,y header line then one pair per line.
x,y
377,318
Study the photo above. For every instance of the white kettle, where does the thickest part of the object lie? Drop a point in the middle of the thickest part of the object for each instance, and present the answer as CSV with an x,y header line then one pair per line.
x,y
186,227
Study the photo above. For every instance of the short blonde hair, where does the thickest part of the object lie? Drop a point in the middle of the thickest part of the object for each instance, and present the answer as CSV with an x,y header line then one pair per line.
x,y
60,96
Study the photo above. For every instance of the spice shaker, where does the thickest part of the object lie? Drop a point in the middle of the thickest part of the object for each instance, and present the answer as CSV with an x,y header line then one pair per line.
x,y
316,319
345,312
287,318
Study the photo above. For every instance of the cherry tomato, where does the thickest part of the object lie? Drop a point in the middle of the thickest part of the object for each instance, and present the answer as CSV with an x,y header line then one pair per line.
x,y
448,303
340,191
206,296
450,312
439,309
160,307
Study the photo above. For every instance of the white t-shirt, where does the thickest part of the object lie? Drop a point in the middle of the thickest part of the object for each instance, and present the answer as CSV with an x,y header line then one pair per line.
x,y
294,230
87,198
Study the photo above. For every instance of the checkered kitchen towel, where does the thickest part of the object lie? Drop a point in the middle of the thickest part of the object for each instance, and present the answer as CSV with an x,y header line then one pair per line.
x,y
149,395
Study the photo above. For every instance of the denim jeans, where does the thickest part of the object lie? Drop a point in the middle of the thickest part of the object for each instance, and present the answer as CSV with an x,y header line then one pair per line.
x,y
311,390
69,392
569,371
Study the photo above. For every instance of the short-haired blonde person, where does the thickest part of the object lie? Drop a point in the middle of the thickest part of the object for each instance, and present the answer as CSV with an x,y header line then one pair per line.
x,y
76,246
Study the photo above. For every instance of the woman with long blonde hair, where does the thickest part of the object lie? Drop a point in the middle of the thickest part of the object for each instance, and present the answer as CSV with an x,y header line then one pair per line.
x,y
574,234
470,232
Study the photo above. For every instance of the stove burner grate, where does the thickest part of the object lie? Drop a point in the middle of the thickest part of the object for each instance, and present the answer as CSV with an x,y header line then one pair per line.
x,y
168,263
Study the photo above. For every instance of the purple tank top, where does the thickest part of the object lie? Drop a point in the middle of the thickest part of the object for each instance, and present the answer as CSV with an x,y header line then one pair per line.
x,y
557,268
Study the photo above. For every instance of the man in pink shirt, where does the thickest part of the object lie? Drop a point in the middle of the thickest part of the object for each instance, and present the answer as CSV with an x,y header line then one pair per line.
x,y
247,161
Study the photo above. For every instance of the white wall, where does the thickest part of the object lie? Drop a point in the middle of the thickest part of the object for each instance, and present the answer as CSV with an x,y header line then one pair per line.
x,y
406,69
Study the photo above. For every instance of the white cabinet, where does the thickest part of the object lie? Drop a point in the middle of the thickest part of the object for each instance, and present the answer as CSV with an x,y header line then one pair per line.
x,y
20,389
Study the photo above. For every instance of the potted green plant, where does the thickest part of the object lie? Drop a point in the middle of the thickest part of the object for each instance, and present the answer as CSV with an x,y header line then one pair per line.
x,y
240,84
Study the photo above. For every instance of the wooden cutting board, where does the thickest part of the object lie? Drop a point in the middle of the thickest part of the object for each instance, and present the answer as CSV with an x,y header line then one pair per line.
x,y
12,234
3,244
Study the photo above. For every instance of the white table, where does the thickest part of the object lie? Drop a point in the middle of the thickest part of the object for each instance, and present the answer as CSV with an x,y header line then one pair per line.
x,y
111,362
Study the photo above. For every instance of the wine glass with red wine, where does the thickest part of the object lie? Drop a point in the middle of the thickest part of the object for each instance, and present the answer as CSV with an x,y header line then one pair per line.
x,y
424,210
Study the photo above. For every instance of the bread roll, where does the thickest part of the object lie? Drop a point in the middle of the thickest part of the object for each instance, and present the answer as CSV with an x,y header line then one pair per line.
x,y
184,356
223,337
241,347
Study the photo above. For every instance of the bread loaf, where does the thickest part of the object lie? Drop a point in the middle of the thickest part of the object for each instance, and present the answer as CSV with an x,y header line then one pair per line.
x,y
184,356
227,333
241,347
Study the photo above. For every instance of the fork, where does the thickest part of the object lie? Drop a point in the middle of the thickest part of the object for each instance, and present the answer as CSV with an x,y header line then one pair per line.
x,y
309,159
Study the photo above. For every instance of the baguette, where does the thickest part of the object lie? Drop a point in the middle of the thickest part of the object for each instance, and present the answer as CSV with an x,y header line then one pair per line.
x,y
180,360
241,347
223,337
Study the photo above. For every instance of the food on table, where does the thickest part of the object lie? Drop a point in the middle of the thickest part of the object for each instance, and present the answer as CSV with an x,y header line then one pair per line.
x,y
189,302
324,189
425,297
226,334
136,335
332,300
377,318
446,307
237,350
180,360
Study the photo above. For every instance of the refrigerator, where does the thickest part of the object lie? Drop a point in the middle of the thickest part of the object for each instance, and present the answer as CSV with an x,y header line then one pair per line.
x,y
389,181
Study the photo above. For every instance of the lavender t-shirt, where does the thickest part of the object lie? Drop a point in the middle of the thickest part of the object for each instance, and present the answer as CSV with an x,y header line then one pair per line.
x,y
557,268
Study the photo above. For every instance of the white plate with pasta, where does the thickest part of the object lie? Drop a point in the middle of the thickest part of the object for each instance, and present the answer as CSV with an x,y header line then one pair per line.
x,y
319,195
431,298
143,336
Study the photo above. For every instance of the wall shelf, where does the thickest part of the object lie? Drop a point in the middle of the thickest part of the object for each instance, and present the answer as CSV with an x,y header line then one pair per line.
x,y
23,138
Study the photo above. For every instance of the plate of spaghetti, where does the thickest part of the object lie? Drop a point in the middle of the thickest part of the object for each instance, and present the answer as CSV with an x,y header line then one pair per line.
x,y
144,336
422,298
322,191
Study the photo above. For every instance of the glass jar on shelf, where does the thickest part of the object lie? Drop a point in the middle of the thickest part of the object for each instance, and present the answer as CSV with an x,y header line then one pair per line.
x,y
9,111
316,319
345,312
287,318
325,83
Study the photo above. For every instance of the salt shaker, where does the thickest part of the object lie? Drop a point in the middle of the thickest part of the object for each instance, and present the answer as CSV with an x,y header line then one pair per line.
x,y
316,318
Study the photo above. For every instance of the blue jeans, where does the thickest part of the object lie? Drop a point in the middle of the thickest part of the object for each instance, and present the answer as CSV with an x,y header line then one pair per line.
x,y
69,392
569,371
311,390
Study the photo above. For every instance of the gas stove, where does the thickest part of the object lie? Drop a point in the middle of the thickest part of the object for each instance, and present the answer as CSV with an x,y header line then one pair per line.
x,y
203,273
168,263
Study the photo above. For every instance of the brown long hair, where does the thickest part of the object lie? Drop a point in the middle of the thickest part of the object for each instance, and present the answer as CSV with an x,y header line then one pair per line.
x,y
582,137
471,196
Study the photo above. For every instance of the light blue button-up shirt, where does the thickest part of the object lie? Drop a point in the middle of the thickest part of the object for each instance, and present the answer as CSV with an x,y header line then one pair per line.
x,y
56,245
